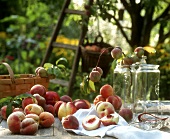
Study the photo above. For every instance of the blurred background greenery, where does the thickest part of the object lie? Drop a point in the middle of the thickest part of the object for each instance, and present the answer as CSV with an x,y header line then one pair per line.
x,y
26,28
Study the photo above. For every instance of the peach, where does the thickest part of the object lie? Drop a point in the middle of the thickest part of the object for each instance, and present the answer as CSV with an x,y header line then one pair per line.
x,y
18,109
27,101
98,98
36,70
104,109
14,120
41,100
52,97
88,103
116,53
56,107
28,126
66,98
139,51
46,119
95,48
42,72
106,91
81,104
49,108
95,76
38,89
126,113
128,61
115,100
66,109
70,122
33,116
3,112
33,108
111,119
98,69
91,122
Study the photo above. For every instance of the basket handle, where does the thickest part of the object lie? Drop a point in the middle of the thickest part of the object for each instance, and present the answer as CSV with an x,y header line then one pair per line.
x,y
99,38
11,74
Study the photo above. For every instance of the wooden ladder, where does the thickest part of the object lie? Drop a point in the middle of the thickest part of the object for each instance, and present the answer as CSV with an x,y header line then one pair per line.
x,y
54,44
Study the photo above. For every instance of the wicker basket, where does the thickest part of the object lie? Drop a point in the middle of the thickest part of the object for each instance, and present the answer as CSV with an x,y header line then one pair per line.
x,y
12,86
90,58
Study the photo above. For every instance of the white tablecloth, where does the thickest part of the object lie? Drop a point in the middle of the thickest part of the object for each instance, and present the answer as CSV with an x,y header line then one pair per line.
x,y
120,131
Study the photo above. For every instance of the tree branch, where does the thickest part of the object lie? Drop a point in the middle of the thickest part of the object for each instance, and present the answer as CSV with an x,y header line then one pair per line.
x,y
163,15
163,37
121,29
126,5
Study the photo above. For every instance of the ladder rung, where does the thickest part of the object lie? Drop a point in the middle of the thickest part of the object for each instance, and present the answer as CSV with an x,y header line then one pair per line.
x,y
78,12
59,81
66,46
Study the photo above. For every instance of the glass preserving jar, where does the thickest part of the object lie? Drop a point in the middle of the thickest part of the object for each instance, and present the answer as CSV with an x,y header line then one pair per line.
x,y
147,82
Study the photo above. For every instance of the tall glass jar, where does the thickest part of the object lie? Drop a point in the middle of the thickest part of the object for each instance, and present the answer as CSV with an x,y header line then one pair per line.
x,y
127,82
118,79
147,82
133,80
122,84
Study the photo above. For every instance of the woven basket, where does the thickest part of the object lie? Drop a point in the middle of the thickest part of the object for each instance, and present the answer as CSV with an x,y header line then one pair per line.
x,y
90,58
12,86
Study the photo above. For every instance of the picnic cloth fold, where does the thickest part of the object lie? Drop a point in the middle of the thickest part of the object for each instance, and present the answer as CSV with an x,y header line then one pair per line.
x,y
121,131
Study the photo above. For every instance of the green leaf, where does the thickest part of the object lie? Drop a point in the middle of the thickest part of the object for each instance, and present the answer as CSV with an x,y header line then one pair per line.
x,y
48,65
22,96
92,86
61,66
17,103
114,64
50,70
86,85
9,109
149,49
61,59
5,101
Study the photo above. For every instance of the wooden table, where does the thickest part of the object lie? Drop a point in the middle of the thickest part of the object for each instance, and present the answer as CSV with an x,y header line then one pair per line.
x,y
56,131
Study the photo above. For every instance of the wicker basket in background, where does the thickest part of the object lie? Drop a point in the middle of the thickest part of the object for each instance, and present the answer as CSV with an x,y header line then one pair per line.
x,y
90,58
22,83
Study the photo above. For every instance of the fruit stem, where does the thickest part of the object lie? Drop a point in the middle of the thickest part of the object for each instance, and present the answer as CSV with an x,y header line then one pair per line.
x,y
101,55
123,54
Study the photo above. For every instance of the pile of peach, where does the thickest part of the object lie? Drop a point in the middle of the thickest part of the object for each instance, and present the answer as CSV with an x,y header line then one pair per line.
x,y
39,110
106,103
96,48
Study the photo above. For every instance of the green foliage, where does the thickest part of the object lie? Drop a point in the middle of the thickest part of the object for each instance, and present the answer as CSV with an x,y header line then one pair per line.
x,y
59,70
13,102
29,25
